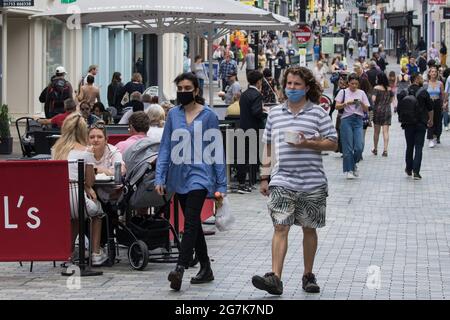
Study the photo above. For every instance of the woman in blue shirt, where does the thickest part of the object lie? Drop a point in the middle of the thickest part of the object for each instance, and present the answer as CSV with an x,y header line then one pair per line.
x,y
193,167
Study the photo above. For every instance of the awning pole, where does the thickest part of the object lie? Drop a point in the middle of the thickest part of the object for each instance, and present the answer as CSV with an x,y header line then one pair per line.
x,y
210,64
160,63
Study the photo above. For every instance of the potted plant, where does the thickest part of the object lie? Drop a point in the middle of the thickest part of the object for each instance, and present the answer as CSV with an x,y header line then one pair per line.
x,y
6,141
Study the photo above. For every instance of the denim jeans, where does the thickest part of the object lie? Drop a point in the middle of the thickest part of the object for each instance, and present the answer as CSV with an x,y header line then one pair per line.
x,y
193,237
201,83
446,118
352,139
415,137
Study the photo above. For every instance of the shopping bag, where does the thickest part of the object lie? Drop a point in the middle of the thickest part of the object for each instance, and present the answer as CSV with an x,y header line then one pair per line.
x,y
224,217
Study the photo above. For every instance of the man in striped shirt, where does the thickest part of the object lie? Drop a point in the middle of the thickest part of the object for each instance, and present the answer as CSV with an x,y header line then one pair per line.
x,y
296,133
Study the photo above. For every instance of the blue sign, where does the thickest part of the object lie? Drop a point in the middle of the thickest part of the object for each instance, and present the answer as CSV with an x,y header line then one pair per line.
x,y
215,70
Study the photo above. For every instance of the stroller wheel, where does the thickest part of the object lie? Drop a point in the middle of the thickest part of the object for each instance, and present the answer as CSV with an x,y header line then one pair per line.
x,y
138,255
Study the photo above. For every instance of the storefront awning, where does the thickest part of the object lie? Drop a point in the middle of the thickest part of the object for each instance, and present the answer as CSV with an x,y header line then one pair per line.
x,y
399,19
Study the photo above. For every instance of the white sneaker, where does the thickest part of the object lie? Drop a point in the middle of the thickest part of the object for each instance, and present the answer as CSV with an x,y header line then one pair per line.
x,y
350,175
356,171
446,128
432,143
99,258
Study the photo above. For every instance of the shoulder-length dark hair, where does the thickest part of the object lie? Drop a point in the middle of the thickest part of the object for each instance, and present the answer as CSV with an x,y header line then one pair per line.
x,y
382,80
116,77
315,92
192,78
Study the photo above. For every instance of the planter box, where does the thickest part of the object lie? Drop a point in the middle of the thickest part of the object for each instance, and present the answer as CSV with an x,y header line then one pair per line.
x,y
6,145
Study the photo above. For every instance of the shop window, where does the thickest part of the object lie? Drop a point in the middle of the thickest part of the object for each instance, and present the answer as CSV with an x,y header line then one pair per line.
x,y
54,51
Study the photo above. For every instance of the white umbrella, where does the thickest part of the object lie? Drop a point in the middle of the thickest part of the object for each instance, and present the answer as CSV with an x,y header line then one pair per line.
x,y
132,10
194,17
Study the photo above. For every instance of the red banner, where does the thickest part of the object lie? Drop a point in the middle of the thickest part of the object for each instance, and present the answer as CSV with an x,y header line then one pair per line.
x,y
34,211
437,2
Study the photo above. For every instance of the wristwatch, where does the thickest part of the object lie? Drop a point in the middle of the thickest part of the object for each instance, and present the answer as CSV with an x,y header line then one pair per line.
x,y
265,179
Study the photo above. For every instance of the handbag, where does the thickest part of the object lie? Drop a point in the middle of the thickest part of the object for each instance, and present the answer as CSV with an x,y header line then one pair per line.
x,y
125,99
326,85
334,77
366,119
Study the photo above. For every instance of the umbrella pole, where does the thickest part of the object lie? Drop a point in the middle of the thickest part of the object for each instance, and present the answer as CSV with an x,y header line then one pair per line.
x,y
210,64
160,68
192,48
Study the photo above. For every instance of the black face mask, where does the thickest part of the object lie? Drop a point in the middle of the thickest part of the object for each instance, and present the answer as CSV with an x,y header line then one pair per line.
x,y
186,97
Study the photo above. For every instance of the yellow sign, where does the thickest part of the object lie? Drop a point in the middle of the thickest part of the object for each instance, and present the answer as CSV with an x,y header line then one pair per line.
x,y
249,3
302,51
312,5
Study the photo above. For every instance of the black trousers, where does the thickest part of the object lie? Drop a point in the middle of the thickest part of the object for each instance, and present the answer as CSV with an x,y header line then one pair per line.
x,y
244,166
415,137
193,237
224,84
436,129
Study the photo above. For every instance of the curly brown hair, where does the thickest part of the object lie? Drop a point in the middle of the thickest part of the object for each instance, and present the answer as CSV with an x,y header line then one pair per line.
x,y
315,91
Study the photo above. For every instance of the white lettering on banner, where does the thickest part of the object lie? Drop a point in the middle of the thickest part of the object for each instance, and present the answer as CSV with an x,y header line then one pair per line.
x,y
35,218
34,224
6,207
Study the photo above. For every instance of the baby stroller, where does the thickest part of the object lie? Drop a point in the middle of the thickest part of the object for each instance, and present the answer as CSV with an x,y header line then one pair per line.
x,y
35,139
143,233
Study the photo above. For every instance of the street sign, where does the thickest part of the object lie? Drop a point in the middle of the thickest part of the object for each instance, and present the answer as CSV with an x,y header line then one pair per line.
x,y
303,34
302,53
349,5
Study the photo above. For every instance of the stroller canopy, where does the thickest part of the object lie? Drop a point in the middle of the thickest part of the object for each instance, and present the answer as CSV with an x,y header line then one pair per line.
x,y
138,158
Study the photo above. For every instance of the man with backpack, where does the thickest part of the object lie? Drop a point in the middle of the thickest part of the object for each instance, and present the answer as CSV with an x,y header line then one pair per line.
x,y
415,113
56,93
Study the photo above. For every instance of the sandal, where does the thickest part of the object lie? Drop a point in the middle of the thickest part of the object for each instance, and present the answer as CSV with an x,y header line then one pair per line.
x,y
384,154
374,151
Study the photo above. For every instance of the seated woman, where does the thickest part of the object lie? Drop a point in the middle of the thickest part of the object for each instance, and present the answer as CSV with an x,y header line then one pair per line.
x,y
73,146
86,112
104,156
99,111
157,118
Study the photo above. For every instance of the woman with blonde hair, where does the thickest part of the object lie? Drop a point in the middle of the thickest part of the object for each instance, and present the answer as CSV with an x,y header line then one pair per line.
x,y
72,146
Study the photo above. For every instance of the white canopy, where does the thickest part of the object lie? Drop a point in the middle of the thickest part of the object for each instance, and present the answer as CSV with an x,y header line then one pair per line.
x,y
209,19
140,10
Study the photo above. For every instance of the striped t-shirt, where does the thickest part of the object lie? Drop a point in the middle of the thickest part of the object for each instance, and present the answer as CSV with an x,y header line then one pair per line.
x,y
297,169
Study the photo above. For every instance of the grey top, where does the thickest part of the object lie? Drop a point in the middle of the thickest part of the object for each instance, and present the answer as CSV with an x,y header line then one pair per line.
x,y
231,91
295,168
250,61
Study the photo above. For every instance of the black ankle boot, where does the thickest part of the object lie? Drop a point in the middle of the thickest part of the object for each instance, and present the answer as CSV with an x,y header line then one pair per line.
x,y
204,275
176,277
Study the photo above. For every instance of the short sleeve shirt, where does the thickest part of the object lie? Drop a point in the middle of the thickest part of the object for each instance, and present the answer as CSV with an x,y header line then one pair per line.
x,y
297,169
234,89
350,96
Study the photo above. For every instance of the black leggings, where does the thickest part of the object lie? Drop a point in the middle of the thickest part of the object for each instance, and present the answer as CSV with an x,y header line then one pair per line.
x,y
436,129
193,237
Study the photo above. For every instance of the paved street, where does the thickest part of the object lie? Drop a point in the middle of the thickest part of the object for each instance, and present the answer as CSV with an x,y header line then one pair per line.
x,y
383,219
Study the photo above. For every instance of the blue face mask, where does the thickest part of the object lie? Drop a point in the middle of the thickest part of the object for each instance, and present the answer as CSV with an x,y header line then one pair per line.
x,y
295,95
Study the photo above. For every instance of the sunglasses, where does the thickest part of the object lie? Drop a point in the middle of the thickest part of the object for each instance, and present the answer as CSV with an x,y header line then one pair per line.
x,y
98,125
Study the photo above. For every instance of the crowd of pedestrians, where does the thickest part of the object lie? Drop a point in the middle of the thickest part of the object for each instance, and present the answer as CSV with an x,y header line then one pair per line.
x,y
281,100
